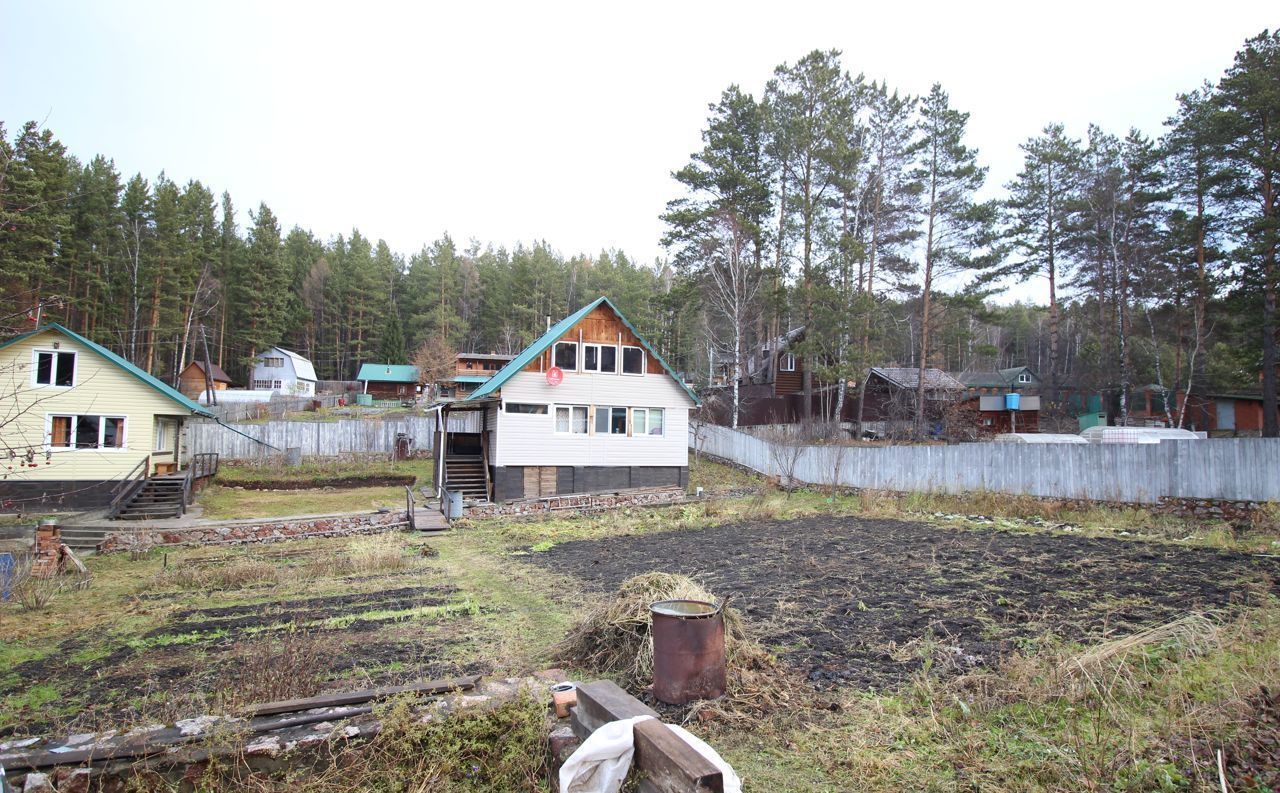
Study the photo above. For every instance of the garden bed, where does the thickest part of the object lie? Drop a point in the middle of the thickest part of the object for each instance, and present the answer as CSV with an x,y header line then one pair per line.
x,y
868,603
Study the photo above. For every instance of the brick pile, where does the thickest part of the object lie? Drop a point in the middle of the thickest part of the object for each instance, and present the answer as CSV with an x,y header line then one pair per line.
x,y
47,551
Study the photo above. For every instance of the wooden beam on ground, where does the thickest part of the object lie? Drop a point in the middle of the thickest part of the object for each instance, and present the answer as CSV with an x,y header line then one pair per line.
x,y
668,764
359,697
601,702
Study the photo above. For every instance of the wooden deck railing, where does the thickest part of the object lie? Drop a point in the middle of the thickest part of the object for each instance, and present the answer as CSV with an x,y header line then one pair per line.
x,y
131,483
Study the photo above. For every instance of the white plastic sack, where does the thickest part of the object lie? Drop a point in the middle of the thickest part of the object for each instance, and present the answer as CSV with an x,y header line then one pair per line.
x,y
601,763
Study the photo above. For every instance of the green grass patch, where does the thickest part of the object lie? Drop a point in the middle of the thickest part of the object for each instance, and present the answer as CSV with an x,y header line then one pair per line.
x,y
228,503
318,469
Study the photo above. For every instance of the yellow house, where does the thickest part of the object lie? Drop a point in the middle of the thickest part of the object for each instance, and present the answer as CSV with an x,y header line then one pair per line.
x,y
76,420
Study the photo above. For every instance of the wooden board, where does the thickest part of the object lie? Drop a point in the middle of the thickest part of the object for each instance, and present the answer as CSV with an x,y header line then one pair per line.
x,y
358,697
669,765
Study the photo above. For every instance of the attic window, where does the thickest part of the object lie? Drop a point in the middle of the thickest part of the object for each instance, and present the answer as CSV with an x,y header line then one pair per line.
x,y
1024,378
273,363
55,368
787,363
632,360
599,358
566,355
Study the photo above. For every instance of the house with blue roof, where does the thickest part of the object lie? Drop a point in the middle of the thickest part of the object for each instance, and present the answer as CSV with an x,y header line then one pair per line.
x,y
590,407
80,421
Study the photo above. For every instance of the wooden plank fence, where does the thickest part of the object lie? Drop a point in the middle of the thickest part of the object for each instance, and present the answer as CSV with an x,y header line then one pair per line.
x,y
1228,469
314,438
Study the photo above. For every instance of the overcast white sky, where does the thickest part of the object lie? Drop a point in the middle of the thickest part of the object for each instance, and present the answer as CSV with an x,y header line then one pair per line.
x,y
510,122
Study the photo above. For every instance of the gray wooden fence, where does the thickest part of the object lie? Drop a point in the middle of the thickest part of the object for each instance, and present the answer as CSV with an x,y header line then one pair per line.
x,y
1231,469
314,438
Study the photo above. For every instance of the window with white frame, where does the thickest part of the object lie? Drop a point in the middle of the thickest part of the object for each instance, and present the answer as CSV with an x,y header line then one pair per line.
x,y
162,435
273,363
632,360
787,363
276,384
611,420
571,419
566,355
74,432
54,368
648,421
1024,378
262,385
600,358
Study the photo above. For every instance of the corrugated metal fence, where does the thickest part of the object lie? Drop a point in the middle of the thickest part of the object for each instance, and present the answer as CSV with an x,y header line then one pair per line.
x,y
314,438
1231,469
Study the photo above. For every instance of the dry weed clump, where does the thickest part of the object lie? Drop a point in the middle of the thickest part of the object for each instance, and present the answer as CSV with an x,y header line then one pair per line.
x,y
35,590
235,574
614,639
289,667
377,553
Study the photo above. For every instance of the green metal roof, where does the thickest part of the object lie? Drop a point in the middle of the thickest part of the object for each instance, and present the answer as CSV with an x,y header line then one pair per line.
x,y
552,335
168,391
388,373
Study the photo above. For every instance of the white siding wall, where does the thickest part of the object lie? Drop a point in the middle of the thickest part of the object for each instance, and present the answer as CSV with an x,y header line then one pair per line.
x,y
532,439
287,375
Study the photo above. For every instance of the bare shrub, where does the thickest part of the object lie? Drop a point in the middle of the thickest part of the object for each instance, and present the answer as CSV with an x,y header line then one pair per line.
x,y
289,667
33,589
785,452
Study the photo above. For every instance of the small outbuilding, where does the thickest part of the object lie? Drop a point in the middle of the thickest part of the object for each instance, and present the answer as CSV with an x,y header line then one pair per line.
x,y
193,383
389,381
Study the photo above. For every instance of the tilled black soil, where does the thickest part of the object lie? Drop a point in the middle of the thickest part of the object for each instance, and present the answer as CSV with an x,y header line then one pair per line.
x,y
847,600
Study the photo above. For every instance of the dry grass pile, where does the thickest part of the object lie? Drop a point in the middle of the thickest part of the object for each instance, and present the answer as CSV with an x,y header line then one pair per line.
x,y
614,640
235,574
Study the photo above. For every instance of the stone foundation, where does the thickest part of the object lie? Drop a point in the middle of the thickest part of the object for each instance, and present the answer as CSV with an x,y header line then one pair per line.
x,y
268,531
582,502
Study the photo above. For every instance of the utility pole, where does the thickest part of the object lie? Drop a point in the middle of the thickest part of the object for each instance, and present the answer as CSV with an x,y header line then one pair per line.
x,y
210,396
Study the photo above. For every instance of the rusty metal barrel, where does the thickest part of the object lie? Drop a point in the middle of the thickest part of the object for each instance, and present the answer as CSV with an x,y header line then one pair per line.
x,y
688,650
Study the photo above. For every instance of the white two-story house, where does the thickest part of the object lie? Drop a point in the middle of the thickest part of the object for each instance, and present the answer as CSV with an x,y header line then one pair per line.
x,y
284,371
589,407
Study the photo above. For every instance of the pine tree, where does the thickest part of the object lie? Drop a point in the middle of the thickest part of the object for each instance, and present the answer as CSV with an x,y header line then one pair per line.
x,y
391,349
1248,119
955,227
1036,212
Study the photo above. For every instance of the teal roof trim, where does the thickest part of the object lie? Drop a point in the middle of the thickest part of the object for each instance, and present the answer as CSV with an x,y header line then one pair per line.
x,y
468,378
553,335
377,372
167,390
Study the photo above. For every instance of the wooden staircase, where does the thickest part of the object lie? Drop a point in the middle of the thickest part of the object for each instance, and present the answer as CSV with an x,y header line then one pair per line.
x,y
467,475
158,497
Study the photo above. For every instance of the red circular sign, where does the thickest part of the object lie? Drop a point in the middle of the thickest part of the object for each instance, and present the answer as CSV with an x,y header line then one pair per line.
x,y
555,376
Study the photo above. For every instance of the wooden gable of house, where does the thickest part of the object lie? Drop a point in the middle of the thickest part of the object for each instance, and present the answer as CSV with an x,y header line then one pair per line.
x,y
601,326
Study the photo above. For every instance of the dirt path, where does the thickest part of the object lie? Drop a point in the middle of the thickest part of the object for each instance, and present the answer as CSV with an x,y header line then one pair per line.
x,y
852,601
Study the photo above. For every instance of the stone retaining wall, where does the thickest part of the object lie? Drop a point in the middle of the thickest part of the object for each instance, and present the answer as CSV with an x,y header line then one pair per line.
x,y
267,531
581,502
